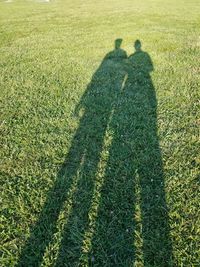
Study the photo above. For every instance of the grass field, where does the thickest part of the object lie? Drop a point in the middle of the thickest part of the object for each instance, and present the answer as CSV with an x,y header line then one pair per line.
x,y
99,153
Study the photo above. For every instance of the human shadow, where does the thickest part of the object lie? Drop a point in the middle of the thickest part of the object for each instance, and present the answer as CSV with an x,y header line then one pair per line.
x,y
120,98
76,178
134,164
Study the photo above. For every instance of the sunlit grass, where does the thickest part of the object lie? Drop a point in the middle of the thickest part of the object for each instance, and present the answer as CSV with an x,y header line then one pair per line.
x,y
49,53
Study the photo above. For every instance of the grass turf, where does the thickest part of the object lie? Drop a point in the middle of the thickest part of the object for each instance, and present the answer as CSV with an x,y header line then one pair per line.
x,y
99,161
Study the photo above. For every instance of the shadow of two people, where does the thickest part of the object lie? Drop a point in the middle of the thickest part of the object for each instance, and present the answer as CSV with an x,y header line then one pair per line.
x,y
121,99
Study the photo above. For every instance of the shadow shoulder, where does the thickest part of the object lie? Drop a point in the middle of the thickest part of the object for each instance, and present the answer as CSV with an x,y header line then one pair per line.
x,y
130,56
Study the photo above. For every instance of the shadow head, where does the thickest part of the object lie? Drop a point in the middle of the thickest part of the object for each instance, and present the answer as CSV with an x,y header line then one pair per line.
x,y
138,45
118,43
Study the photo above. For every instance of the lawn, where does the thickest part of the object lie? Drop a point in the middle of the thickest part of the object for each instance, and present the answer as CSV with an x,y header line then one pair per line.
x,y
99,150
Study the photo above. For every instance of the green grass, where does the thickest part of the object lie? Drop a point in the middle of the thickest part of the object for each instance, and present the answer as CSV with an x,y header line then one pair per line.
x,y
99,160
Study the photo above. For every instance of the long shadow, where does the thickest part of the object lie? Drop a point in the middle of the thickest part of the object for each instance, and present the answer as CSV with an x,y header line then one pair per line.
x,y
121,94
135,161
79,170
